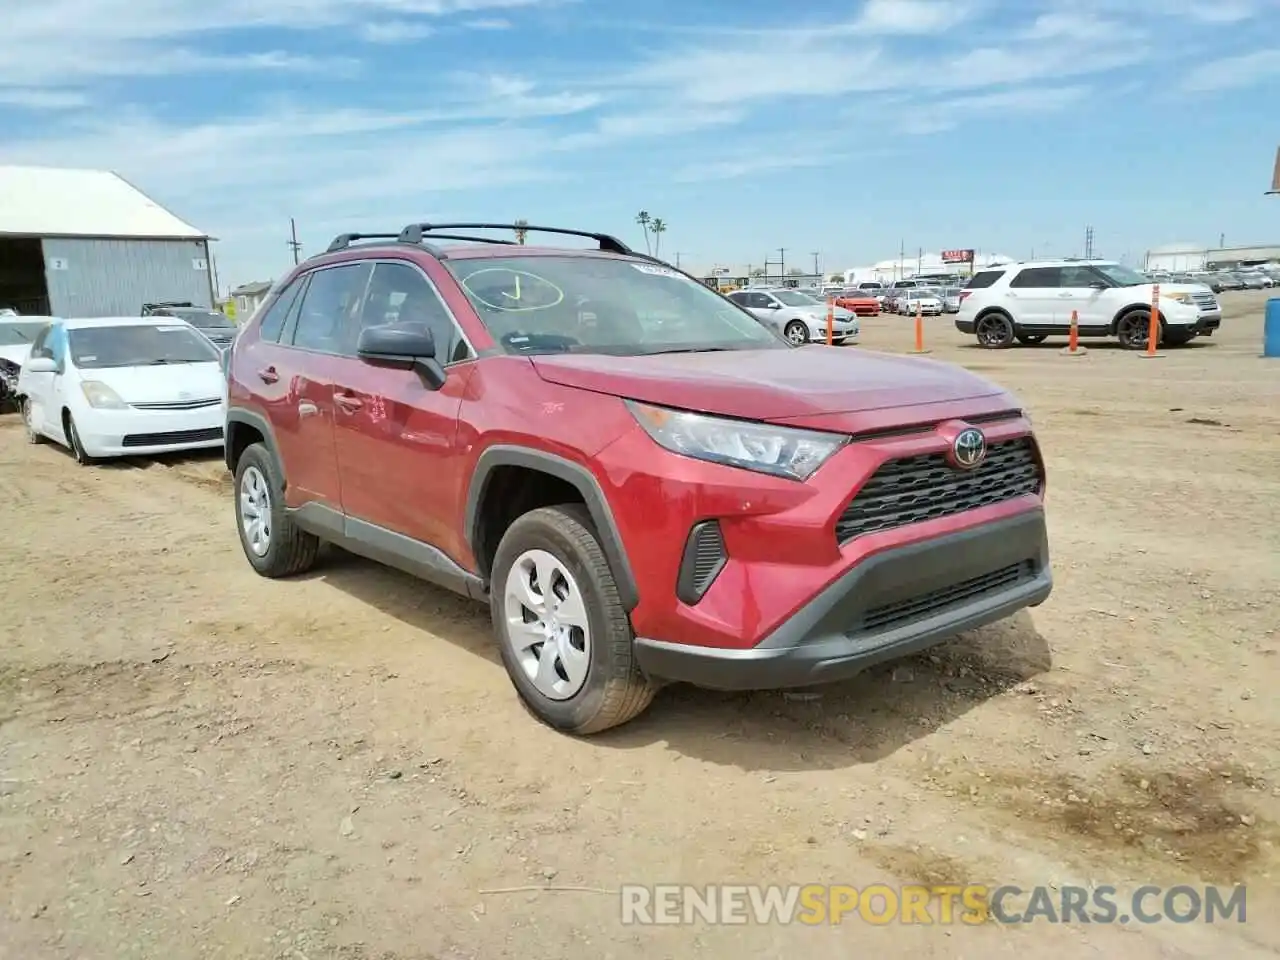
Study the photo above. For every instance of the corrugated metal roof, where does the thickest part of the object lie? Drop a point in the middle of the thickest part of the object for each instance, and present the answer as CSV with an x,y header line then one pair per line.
x,y
64,202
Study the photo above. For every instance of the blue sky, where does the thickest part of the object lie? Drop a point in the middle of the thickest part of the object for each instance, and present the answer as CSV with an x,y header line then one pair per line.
x,y
842,127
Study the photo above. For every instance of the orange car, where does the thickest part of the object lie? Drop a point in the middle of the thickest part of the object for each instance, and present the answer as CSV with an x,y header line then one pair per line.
x,y
860,302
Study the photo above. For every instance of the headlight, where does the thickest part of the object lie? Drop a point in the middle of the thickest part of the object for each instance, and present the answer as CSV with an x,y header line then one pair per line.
x,y
781,451
101,396
1184,298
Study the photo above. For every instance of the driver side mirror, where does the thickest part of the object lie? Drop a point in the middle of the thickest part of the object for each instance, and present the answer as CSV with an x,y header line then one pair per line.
x,y
1098,285
775,305
41,365
405,346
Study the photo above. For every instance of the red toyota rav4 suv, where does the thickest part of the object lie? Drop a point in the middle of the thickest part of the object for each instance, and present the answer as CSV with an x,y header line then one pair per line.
x,y
644,482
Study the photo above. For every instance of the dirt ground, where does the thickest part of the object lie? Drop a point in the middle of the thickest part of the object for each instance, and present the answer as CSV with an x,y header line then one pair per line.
x,y
196,762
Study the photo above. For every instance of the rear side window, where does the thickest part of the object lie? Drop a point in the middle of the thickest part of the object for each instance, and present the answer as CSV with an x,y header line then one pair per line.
x,y
1037,278
273,319
984,279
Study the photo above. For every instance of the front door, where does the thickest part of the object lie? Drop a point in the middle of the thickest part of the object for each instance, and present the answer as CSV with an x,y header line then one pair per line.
x,y
400,464
1033,296
302,370
1079,293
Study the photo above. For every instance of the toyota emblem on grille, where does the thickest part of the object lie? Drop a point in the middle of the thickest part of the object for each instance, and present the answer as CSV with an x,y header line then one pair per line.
x,y
969,449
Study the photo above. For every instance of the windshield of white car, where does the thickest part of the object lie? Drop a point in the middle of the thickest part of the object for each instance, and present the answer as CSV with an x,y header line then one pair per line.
x,y
1120,276
18,334
139,345
204,319
592,304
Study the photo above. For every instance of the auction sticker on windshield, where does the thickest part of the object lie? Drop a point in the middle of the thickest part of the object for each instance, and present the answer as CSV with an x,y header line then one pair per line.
x,y
656,271
173,329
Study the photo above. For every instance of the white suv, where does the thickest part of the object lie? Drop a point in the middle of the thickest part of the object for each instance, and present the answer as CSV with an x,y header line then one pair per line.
x,y
1029,302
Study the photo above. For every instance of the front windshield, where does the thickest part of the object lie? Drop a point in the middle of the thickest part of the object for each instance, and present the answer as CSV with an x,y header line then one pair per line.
x,y
1120,276
18,334
205,319
139,345
590,304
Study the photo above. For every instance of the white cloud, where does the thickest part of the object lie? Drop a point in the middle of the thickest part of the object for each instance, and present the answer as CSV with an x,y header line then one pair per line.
x,y
940,116
395,31
491,23
42,99
909,16
756,163
1232,73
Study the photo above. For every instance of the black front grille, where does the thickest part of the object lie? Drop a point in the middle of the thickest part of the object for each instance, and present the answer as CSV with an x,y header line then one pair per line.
x,y
935,601
704,558
172,437
927,487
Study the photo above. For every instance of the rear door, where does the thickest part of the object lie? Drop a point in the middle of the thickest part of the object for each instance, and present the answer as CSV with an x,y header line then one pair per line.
x,y
401,469
302,370
1033,298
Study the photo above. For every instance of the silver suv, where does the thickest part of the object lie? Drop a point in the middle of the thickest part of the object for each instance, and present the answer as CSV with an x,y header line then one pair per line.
x,y
1030,302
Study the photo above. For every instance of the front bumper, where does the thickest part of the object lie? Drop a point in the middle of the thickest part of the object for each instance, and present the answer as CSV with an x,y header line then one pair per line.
x,y
896,602
1208,323
131,433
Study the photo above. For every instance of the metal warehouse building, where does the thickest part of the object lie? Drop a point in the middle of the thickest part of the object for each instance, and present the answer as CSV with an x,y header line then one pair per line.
x,y
84,243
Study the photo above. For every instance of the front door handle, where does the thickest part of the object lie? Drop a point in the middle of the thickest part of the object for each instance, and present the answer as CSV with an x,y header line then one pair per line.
x,y
348,402
268,375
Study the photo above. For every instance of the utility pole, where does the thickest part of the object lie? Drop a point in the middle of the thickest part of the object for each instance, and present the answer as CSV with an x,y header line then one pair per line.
x,y
817,272
902,256
1088,243
293,240
678,255
782,262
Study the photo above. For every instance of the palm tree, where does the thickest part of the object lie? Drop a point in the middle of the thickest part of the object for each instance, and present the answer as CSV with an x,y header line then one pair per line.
x,y
644,220
522,232
659,227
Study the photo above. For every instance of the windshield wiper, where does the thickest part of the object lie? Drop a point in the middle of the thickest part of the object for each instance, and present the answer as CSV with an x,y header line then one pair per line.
x,y
658,353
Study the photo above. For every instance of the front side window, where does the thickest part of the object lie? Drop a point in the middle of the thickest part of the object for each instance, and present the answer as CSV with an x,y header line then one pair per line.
x,y
139,345
400,293
590,304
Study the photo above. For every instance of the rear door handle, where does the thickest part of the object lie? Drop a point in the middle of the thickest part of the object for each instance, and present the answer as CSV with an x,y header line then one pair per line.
x,y
348,402
268,375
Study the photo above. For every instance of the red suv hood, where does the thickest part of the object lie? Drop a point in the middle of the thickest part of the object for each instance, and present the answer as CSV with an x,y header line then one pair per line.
x,y
769,384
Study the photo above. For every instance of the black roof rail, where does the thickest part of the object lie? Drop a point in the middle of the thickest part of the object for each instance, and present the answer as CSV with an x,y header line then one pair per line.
x,y
417,232
344,240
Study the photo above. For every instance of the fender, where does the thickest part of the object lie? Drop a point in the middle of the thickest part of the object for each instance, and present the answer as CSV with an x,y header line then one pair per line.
x,y
576,475
237,416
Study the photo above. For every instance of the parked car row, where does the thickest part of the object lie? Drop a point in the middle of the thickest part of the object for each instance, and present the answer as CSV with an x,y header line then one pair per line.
x,y
1256,278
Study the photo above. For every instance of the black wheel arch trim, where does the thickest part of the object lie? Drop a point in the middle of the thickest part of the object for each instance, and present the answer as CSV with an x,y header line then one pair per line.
x,y
577,476
250,418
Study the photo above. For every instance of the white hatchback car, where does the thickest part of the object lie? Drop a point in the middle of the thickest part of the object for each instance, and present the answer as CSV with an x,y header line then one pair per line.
x,y
123,386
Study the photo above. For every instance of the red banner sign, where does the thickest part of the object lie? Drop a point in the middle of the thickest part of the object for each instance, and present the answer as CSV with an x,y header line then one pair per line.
x,y
957,256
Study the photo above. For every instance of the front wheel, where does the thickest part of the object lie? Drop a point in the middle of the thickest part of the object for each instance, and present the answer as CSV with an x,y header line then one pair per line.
x,y
797,332
73,441
1134,329
994,331
565,637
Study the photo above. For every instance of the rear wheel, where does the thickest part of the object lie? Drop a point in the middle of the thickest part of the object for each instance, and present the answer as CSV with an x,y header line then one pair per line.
x,y
797,332
33,435
565,637
994,330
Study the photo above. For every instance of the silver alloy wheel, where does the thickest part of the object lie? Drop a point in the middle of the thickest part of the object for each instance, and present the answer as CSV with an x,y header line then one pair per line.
x,y
255,511
547,624
797,332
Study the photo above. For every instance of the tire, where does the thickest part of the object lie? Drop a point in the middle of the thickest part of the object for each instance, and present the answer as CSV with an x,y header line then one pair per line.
x,y
282,550
1132,329
73,441
994,330
561,542
24,405
1031,339
797,332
